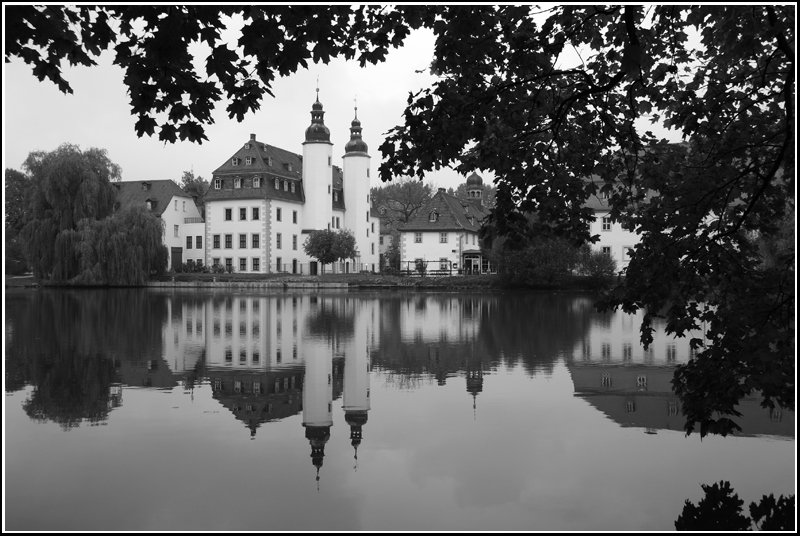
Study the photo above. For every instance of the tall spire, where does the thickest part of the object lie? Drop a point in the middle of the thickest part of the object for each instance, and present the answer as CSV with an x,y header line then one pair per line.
x,y
317,131
356,144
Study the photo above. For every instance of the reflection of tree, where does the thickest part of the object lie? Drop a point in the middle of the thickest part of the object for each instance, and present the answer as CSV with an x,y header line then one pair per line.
x,y
69,345
70,388
332,319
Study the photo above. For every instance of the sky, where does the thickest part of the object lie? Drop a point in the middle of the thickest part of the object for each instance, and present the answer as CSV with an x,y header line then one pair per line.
x,y
37,116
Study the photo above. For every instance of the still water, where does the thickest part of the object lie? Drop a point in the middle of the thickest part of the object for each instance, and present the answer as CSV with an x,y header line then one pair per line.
x,y
164,410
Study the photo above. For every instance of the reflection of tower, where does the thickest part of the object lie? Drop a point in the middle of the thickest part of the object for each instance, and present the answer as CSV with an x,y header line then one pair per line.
x,y
474,379
317,399
356,381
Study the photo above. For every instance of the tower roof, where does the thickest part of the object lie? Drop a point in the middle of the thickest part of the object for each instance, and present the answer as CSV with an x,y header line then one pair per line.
x,y
474,180
356,144
317,131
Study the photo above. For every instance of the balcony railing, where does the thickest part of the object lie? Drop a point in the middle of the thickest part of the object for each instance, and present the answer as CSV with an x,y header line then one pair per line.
x,y
192,220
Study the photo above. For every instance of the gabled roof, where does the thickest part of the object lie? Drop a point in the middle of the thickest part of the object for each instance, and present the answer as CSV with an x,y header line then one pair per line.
x,y
158,192
452,214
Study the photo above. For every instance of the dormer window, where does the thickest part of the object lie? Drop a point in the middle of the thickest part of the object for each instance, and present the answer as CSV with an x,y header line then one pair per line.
x,y
217,184
246,145
249,160
148,204
237,183
257,182
145,186
269,159
288,166
234,161
292,185
433,216
335,196
277,184
285,186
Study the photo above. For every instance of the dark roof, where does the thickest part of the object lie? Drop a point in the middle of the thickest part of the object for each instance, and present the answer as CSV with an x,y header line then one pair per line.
x,y
453,214
158,192
269,163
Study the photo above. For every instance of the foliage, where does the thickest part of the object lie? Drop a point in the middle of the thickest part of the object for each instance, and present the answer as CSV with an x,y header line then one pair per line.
x,y
329,246
67,185
123,249
398,201
192,267
392,256
158,47
17,190
596,264
545,261
420,266
721,510
195,187
552,133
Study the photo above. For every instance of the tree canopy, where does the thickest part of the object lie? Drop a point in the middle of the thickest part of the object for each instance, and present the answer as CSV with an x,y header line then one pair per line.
x,y
398,201
329,246
552,131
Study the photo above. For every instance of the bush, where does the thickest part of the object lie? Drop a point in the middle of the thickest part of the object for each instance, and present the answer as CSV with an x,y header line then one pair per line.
x,y
545,262
596,264
217,269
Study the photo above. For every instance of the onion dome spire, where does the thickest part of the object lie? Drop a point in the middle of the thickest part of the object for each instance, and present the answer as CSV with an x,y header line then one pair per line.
x,y
317,131
356,144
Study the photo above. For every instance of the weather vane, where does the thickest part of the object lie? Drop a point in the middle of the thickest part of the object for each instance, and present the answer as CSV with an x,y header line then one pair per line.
x,y
355,101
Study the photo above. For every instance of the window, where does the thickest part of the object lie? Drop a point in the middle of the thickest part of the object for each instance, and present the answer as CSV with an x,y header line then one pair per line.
x,y
277,184
215,262
216,243
333,222
338,222
278,263
443,264
329,189
278,214
294,216
278,241
605,379
606,250
269,159
605,350
242,265
248,160
228,267
256,263
433,216
255,215
671,353
257,182
368,215
188,242
606,223
335,195
372,227
242,241
292,187
627,351
228,241
183,206
418,238
641,382
256,240
443,238
380,240
294,242
176,205
329,160
242,214
217,184
228,214
234,161
285,186
373,248
199,242
149,204
247,146
175,229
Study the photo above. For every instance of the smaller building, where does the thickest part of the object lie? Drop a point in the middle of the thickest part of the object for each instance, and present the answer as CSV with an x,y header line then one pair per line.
x,y
183,225
443,237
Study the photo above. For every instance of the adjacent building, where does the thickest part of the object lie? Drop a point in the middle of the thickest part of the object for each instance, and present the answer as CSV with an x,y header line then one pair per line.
x,y
443,234
183,225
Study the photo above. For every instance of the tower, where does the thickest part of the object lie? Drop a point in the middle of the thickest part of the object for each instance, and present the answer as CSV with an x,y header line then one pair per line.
x,y
317,398
356,191
475,187
355,399
317,171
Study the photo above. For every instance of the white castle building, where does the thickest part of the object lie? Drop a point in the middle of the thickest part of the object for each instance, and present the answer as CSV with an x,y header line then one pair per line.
x,y
264,201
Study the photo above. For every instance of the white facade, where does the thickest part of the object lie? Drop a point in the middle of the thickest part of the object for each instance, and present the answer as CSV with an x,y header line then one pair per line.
x,y
443,247
236,232
176,212
318,187
614,240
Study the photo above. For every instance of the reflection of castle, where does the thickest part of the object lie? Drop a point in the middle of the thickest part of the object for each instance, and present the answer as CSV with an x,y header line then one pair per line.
x,y
641,396
271,357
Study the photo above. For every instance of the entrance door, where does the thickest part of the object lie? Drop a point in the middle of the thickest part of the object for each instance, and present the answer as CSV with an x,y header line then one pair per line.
x,y
312,268
177,258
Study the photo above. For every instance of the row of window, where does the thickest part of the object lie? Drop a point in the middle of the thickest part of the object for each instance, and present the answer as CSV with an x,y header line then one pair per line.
x,y
627,351
198,240
255,214
442,238
238,183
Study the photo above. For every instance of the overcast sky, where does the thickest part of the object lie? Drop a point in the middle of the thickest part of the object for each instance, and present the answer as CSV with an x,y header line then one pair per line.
x,y
39,117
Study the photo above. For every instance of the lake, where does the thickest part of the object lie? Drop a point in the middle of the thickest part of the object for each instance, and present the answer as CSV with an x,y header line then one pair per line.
x,y
168,410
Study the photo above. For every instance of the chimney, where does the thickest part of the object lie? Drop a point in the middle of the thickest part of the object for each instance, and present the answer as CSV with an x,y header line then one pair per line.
x,y
253,137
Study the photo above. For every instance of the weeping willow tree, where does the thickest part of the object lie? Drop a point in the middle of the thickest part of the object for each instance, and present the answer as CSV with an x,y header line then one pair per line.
x,y
123,249
68,185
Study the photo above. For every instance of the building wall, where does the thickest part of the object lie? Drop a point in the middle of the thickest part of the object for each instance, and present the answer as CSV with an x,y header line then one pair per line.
x,y
194,231
288,230
218,225
617,239
317,184
173,217
433,249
